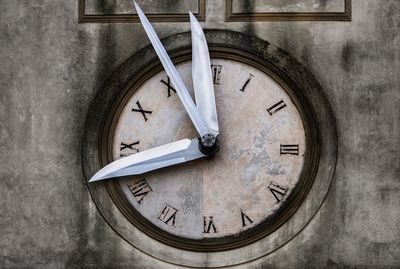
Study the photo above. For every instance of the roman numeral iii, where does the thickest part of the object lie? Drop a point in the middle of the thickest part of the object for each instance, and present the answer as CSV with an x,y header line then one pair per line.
x,y
289,149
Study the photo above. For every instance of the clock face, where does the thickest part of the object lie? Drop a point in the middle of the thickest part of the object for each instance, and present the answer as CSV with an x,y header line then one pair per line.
x,y
243,187
277,156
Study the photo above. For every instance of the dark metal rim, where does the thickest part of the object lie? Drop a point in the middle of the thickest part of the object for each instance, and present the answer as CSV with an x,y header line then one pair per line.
x,y
307,176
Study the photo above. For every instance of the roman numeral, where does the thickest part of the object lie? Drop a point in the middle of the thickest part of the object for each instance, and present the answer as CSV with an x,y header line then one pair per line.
x,y
278,191
245,219
289,149
141,110
168,215
139,189
216,73
246,83
209,225
127,149
275,108
169,86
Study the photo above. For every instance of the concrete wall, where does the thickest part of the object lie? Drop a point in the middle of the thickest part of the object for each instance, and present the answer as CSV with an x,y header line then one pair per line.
x,y
51,67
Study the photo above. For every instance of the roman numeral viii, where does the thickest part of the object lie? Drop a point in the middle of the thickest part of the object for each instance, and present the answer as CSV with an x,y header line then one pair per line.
x,y
139,189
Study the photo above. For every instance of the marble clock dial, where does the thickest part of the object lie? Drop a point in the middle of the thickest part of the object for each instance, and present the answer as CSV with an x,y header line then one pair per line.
x,y
262,153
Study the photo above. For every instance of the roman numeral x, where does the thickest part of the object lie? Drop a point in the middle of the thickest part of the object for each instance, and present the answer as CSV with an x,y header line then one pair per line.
x,y
141,110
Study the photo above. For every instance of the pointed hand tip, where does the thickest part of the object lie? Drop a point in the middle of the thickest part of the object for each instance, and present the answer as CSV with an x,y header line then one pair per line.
x,y
192,17
95,178
136,6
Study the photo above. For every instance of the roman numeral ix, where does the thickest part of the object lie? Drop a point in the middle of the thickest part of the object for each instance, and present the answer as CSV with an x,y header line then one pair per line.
x,y
128,146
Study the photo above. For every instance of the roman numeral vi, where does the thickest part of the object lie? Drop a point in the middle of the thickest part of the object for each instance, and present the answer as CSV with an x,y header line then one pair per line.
x,y
209,225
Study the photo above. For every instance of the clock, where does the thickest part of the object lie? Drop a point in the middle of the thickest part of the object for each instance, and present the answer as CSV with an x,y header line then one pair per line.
x,y
276,158
267,157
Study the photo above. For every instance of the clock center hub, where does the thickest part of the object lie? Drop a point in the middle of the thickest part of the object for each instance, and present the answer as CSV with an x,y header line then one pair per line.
x,y
209,144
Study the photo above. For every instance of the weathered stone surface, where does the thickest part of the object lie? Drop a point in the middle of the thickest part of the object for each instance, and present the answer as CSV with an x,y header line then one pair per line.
x,y
51,68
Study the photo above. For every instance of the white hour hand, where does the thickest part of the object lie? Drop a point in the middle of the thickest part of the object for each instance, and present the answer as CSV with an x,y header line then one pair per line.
x,y
152,159
202,77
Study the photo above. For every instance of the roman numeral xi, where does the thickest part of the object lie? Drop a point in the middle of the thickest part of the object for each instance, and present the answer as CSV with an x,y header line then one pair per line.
x,y
169,86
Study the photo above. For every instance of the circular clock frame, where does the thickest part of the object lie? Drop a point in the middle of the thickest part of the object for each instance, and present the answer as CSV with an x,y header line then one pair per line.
x,y
318,170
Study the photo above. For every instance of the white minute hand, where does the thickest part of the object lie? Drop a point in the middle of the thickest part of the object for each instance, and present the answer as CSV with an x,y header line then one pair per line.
x,y
169,67
152,159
